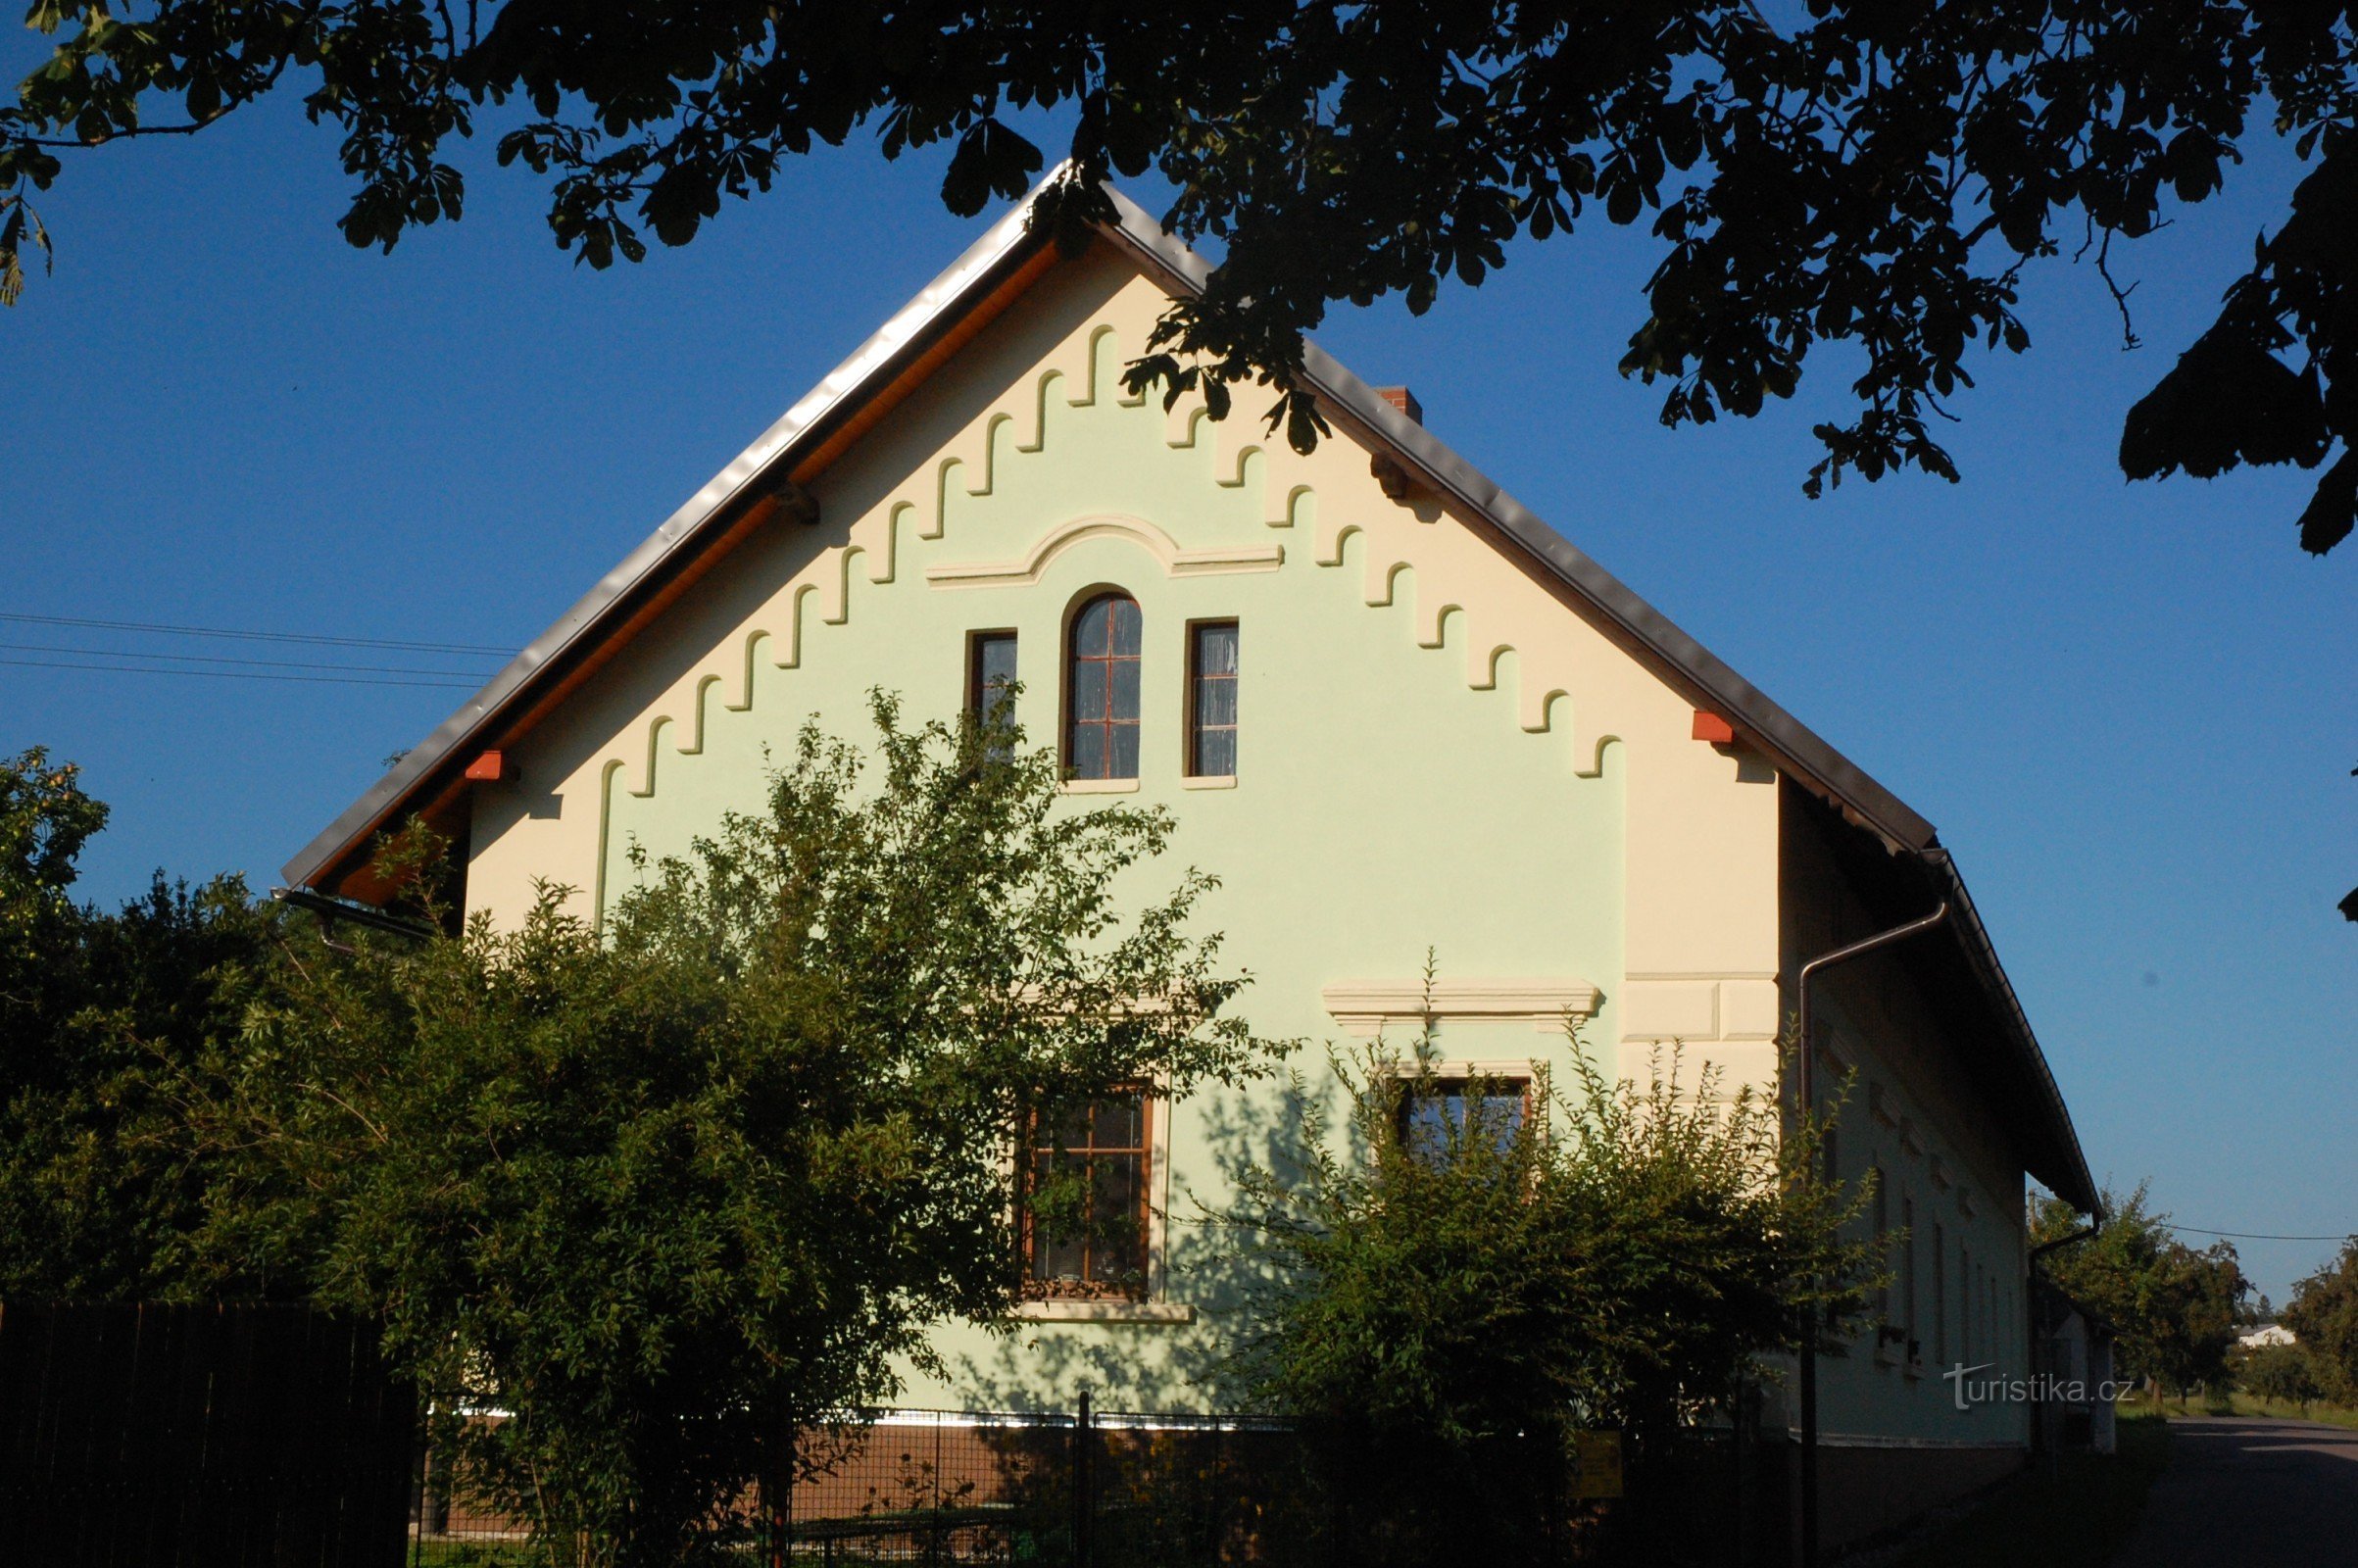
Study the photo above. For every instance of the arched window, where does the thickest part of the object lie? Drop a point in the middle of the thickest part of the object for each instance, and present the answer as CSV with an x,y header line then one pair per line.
x,y
1101,690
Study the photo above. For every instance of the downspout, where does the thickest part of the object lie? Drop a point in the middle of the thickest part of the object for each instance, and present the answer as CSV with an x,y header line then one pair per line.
x,y
1805,1073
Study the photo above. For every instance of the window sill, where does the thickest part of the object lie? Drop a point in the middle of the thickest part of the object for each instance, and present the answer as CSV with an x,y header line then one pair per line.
x,y
1226,781
1098,786
1103,1312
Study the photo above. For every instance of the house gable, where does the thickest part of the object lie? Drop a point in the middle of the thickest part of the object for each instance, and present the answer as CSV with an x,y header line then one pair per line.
x,y
977,448
1413,697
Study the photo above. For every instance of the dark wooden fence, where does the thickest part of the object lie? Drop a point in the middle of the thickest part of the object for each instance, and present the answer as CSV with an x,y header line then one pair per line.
x,y
139,1436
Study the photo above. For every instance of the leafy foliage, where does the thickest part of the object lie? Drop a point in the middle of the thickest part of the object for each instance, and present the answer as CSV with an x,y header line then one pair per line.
x,y
2324,1313
663,1190
1446,1305
1875,176
98,1011
2175,1311
2286,1373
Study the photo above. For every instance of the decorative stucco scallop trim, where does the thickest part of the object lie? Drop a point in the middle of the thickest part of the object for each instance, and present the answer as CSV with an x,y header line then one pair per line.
x,y
1365,1007
1176,562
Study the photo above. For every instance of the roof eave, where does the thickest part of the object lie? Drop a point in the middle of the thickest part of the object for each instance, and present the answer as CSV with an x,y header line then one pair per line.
x,y
478,719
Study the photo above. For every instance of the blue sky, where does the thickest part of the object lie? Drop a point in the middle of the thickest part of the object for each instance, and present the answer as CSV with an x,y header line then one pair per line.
x,y
2129,709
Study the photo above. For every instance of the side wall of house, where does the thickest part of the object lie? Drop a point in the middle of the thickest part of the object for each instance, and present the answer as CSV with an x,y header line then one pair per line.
x,y
1434,752
1910,1120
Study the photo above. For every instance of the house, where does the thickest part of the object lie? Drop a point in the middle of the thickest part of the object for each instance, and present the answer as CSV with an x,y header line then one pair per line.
x,y
2075,1387
1386,705
2264,1336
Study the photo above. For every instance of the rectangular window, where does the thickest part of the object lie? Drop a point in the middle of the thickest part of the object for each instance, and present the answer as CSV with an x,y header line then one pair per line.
x,y
1441,1111
1211,679
990,670
1086,1201
1907,1276
1882,1247
1940,1294
1964,1303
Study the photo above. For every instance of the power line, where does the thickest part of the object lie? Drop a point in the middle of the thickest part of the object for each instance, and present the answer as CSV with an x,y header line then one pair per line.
x,y
2257,1236
224,658
238,674
255,636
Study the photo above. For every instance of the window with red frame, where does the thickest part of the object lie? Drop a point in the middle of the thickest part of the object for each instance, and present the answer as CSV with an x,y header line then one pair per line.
x,y
1086,1201
1101,690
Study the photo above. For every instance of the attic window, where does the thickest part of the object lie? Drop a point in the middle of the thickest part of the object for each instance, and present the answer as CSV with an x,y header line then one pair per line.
x,y
1101,690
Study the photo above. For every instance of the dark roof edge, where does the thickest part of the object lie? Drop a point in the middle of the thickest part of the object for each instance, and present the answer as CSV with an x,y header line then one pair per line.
x,y
1760,721
874,362
2073,1182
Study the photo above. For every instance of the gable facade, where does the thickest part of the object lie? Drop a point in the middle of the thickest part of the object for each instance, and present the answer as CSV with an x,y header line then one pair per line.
x,y
1448,739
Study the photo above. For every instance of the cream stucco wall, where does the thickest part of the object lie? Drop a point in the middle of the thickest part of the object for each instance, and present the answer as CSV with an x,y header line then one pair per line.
x,y
1436,750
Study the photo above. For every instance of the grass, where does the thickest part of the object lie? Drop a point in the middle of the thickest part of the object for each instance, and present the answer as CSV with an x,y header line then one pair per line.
x,y
2241,1403
2083,1514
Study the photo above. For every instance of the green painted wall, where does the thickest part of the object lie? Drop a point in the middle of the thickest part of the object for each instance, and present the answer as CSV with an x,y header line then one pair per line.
x,y
1381,806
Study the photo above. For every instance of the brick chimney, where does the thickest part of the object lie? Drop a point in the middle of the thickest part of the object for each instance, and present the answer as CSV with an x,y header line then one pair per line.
x,y
1401,398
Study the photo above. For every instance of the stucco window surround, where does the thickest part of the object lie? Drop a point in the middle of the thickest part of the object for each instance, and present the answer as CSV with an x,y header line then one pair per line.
x,y
1369,1009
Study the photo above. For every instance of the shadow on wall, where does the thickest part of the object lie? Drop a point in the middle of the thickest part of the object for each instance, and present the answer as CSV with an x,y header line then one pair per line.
x,y
1213,1267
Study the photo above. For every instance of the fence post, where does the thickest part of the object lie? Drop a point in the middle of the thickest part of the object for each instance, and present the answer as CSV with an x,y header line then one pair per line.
x,y
1084,1487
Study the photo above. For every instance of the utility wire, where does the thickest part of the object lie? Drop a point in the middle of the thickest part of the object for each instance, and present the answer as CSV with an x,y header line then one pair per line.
x,y
238,674
224,658
2258,1235
255,636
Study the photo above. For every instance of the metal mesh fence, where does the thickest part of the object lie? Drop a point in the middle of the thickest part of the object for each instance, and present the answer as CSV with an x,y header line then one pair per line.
x,y
1083,1489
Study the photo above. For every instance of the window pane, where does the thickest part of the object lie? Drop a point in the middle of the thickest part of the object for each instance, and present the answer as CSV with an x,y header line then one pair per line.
x,y
1088,758
1089,630
1215,650
1121,1123
1215,704
1434,1115
1126,622
1215,754
1122,759
1125,689
1068,1125
994,661
1089,690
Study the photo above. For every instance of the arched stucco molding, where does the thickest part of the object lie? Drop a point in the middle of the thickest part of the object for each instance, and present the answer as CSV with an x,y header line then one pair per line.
x,y
1158,544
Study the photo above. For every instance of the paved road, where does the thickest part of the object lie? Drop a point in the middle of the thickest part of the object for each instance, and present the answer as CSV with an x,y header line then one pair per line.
x,y
2251,1491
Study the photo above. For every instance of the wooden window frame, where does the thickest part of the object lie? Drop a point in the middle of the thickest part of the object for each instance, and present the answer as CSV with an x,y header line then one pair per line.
x,y
1193,677
975,703
1028,1152
1070,658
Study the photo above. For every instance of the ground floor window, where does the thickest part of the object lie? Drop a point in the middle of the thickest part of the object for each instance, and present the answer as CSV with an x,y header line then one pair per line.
x,y
1436,1111
1086,1199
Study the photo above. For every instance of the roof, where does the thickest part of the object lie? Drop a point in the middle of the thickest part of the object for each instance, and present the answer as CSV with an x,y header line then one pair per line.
x,y
947,311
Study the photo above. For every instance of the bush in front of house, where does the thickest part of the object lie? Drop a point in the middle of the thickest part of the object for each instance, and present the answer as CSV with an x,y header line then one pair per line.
x,y
1447,1296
